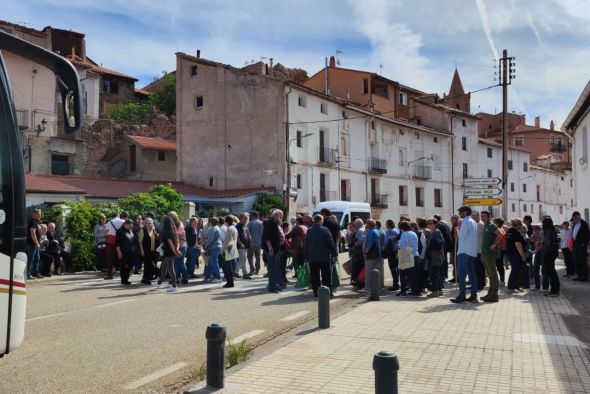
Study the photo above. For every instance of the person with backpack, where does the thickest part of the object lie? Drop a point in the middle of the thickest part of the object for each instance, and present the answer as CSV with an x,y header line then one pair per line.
x,y
113,226
550,252
435,248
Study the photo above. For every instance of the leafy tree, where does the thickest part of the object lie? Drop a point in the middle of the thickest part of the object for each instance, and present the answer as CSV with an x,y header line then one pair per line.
x,y
79,232
130,111
266,202
165,97
160,199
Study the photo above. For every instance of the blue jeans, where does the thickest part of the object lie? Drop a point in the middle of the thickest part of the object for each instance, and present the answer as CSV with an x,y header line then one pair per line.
x,y
466,266
212,267
193,257
33,260
435,276
274,271
537,268
179,266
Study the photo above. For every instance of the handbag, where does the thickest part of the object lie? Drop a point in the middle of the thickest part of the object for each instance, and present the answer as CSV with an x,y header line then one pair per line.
x,y
303,279
347,267
406,260
160,250
570,244
335,275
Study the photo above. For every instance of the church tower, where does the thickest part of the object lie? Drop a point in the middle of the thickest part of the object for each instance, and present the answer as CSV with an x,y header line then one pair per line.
x,y
457,98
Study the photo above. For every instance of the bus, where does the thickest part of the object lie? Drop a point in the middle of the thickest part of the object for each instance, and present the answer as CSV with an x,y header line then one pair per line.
x,y
13,223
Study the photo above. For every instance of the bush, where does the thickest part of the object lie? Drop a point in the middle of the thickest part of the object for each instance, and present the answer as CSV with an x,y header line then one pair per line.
x,y
160,199
80,233
130,111
266,202
165,97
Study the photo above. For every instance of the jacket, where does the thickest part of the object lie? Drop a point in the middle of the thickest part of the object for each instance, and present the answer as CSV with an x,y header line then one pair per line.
x,y
319,245
230,244
582,235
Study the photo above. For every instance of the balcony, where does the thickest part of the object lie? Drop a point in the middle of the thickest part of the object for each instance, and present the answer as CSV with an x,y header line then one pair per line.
x,y
378,166
557,146
422,171
328,195
345,197
327,156
22,116
379,201
420,203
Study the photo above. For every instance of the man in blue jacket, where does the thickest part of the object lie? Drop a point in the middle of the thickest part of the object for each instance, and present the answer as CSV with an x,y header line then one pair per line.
x,y
319,250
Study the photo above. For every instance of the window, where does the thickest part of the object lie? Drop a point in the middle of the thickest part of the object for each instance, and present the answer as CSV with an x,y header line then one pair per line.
x,y
323,108
298,181
510,164
524,207
513,207
419,197
418,121
489,173
211,181
299,139
161,155
417,135
343,146
60,164
365,87
193,70
438,198
110,86
403,196
532,208
402,157
525,167
302,101
199,102
512,187
463,123
524,187
518,141
403,98
464,143
372,125
132,158
584,144
435,140
490,155
539,192
489,127
465,172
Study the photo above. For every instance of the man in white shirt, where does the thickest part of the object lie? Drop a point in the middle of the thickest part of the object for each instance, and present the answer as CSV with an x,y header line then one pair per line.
x,y
466,254
112,226
480,270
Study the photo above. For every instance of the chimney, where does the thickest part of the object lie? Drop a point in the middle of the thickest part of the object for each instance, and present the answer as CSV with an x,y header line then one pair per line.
x,y
551,126
332,62
198,53
271,69
538,122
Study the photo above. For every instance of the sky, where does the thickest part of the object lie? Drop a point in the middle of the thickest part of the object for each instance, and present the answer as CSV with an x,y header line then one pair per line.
x,y
418,43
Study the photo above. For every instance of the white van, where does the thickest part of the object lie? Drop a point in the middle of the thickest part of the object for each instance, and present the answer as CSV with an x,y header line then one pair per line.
x,y
344,212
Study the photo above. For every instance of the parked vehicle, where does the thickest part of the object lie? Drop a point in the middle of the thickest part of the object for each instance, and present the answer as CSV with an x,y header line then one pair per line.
x,y
344,212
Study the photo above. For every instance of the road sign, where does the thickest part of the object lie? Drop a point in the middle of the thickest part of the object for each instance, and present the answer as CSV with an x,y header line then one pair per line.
x,y
481,202
482,191
482,181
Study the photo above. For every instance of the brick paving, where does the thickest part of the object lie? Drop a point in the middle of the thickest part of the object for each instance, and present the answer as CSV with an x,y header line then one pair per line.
x,y
518,345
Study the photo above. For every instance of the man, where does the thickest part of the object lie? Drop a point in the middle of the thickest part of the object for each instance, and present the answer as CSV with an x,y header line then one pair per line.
x,y
453,255
479,268
445,230
244,241
488,256
113,226
54,248
308,221
581,234
33,246
466,254
193,250
255,228
319,250
272,240
330,224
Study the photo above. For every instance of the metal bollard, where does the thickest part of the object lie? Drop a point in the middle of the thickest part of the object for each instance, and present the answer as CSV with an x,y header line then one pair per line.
x,y
215,335
324,307
386,366
375,282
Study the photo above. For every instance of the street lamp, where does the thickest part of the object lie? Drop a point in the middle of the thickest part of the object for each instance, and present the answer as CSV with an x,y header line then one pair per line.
x,y
289,165
431,157
41,127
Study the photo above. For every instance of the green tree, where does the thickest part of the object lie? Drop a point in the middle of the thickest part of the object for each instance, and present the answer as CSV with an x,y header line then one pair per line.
x,y
266,202
80,233
164,98
160,199
130,111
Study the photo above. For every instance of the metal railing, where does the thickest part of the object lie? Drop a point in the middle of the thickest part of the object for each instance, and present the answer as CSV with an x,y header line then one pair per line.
x,y
328,195
378,165
379,201
557,146
22,116
345,197
423,172
327,156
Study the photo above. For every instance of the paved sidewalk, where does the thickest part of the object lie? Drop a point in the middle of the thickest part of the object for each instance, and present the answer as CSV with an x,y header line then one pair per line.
x,y
518,345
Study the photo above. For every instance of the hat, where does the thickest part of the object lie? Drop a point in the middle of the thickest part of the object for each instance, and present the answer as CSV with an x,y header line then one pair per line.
x,y
465,209
576,213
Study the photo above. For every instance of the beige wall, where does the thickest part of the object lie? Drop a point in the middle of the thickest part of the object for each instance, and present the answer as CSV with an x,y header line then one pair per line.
x,y
238,136
148,167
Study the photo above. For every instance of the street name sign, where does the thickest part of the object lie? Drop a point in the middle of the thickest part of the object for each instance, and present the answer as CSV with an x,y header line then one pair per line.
x,y
482,191
482,202
482,182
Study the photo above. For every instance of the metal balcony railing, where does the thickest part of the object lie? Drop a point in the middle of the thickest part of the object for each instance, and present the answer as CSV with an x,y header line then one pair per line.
x,y
378,165
328,195
327,156
379,201
423,172
345,197
557,146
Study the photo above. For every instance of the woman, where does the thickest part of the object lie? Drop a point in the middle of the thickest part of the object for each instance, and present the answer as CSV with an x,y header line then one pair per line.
x,y
355,250
137,260
515,252
537,244
230,250
435,258
244,242
550,251
408,242
169,238
390,248
193,249
568,257
500,247
297,239
148,242
100,240
212,251
372,252
125,244
421,229
179,266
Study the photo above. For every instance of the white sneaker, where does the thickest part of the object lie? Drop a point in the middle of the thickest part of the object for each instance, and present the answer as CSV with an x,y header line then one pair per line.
x,y
172,290
216,281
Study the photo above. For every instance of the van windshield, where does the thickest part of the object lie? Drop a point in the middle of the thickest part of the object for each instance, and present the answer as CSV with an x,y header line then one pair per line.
x,y
335,213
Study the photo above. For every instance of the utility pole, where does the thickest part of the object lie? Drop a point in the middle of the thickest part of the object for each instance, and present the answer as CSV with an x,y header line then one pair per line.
x,y
506,72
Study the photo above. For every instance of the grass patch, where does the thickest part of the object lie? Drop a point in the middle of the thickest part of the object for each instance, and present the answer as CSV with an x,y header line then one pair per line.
x,y
237,353
202,371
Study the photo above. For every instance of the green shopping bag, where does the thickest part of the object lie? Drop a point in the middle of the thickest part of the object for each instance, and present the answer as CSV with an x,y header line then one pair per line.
x,y
335,275
303,276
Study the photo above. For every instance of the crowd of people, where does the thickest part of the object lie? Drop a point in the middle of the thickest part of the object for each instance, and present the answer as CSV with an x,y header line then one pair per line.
x,y
473,247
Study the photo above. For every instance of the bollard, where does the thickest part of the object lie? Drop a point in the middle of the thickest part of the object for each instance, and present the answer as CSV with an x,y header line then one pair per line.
x,y
386,366
324,307
215,335
375,282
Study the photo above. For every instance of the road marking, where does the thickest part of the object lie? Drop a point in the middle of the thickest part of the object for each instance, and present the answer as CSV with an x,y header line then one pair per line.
x,y
245,336
154,376
116,303
46,316
295,316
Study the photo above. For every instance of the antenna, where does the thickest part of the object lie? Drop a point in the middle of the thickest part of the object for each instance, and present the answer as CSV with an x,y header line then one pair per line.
x,y
338,52
381,69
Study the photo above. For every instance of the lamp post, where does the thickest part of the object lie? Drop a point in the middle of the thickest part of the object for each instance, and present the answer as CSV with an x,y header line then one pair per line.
x,y
289,166
41,127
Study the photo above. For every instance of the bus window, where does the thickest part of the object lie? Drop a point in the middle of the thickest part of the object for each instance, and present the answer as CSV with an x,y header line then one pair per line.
x,y
362,215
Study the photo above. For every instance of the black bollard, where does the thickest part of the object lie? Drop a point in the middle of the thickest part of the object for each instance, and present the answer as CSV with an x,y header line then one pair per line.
x,y
215,335
324,307
386,366
375,282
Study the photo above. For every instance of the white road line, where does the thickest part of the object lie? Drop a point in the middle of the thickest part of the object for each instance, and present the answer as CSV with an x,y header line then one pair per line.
x,y
46,316
295,316
154,376
245,336
116,303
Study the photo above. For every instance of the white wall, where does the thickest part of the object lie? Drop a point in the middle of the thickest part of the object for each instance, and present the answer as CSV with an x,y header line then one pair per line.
x,y
582,171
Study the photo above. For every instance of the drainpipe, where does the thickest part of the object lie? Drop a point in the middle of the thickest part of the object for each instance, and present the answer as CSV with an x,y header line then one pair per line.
x,y
326,86
288,196
452,167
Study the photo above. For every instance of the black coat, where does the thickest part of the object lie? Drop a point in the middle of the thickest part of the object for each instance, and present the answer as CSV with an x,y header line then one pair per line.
x,y
583,235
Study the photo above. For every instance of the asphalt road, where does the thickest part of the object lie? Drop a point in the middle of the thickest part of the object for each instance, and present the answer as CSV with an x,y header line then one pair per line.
x,y
85,334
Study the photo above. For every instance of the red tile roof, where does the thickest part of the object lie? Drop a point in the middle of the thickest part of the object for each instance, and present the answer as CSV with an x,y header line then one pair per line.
x,y
110,188
101,70
153,143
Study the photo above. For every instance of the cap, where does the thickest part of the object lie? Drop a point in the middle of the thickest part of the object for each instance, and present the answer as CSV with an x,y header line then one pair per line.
x,y
465,209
